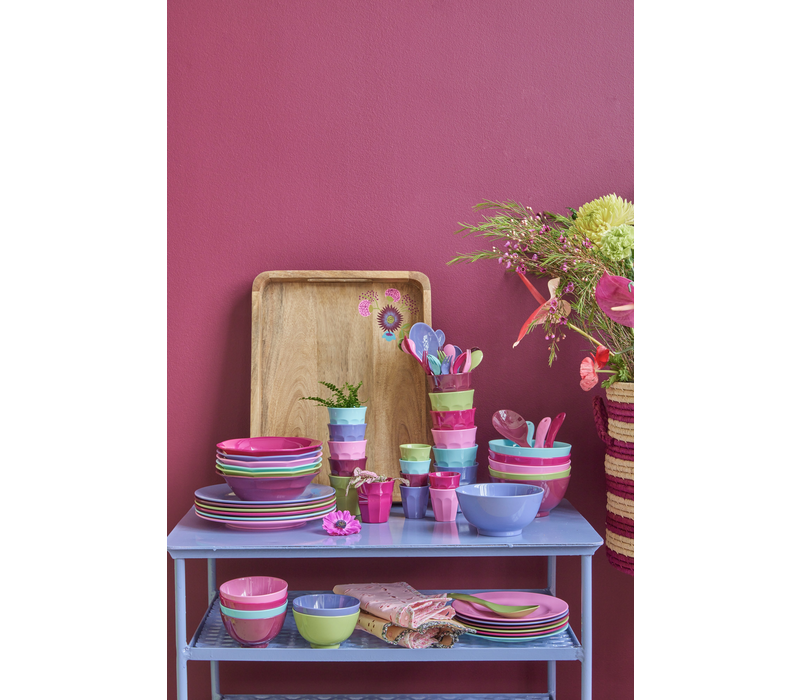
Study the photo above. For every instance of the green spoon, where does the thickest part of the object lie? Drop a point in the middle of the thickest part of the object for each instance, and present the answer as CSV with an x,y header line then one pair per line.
x,y
502,610
477,356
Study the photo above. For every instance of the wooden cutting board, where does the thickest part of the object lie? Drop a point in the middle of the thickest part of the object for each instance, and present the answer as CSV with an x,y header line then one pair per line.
x,y
307,328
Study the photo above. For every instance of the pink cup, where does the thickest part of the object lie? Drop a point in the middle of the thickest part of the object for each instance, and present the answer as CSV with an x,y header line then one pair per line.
x,y
521,469
454,439
453,420
444,480
416,479
444,503
375,501
346,467
357,449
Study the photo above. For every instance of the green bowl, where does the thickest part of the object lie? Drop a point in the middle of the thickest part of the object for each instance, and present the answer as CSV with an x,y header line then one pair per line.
x,y
323,631
415,452
452,400
530,477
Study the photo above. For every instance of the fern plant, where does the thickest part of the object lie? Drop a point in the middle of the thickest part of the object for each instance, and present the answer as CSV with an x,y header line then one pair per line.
x,y
344,397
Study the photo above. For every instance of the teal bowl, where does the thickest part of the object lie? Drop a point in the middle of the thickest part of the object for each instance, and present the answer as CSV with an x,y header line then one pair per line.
x,y
413,467
506,447
461,457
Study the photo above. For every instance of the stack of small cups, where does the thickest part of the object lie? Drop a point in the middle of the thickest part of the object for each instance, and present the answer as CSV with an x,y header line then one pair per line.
x,y
454,446
348,449
415,465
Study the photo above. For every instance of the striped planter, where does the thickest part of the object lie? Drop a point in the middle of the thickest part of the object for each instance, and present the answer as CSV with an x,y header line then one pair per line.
x,y
614,420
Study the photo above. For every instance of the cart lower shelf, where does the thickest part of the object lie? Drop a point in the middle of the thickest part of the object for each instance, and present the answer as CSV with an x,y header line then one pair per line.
x,y
212,642
490,696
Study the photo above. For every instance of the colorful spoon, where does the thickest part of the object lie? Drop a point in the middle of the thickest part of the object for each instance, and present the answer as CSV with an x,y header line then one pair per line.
x,y
511,426
477,356
502,610
558,421
541,431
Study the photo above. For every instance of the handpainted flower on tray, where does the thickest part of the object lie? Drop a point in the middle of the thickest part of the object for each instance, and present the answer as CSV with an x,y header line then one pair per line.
x,y
341,522
394,317
390,319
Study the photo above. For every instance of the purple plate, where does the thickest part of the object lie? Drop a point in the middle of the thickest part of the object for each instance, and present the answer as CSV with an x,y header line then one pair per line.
x,y
221,493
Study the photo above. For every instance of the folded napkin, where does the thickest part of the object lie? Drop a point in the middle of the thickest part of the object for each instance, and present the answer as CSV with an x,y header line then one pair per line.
x,y
401,615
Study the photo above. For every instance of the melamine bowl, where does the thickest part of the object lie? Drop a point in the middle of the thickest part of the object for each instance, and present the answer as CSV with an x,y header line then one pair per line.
x,y
454,439
325,632
528,461
444,480
253,590
522,469
268,471
283,488
326,604
260,614
528,478
554,491
310,455
268,446
451,400
274,465
499,510
506,447
346,467
463,457
415,467
449,382
254,633
347,432
357,449
453,420
415,451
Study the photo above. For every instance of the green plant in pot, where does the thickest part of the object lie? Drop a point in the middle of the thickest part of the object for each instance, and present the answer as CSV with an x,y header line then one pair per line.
x,y
344,406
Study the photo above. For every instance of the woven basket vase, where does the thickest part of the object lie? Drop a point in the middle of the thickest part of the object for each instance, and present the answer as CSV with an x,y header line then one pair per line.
x,y
614,420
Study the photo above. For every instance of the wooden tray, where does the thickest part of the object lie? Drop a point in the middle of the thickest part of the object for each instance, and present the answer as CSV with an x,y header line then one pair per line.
x,y
306,328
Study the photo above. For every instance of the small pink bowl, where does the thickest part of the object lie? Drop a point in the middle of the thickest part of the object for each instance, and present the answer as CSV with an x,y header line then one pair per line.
x,y
522,469
357,449
254,633
236,605
346,467
253,590
528,461
444,480
554,491
454,439
453,420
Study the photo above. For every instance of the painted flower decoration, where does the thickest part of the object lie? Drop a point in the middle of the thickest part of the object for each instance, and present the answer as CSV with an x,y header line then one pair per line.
x,y
390,319
614,296
545,305
590,365
601,215
341,522
364,307
394,317
394,294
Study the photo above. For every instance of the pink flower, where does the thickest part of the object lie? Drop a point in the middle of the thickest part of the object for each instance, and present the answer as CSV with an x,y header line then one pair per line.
x,y
540,315
363,307
590,365
340,522
615,297
394,293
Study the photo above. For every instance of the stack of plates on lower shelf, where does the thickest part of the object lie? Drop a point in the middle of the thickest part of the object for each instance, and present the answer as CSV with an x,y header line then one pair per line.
x,y
550,618
219,504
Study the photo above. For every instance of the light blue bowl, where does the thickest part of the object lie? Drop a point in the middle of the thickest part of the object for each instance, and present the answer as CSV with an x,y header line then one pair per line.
x,y
499,510
462,457
347,416
413,467
326,604
506,447
347,432
252,614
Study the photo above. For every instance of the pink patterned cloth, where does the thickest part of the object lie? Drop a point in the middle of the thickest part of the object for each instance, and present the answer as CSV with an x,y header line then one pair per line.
x,y
398,603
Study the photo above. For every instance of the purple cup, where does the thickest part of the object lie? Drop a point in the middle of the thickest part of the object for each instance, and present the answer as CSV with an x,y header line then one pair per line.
x,y
415,500
347,433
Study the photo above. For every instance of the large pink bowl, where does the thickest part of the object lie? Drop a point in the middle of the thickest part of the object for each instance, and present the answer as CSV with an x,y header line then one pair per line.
x,y
554,491
355,449
254,633
528,461
453,420
261,591
454,439
521,469
268,446
269,488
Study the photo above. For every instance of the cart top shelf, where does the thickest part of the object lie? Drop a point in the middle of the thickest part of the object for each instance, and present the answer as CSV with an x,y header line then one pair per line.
x,y
563,532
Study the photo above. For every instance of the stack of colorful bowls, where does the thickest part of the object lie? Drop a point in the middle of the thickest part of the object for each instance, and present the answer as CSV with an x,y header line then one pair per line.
x,y
269,468
325,620
253,608
347,445
546,467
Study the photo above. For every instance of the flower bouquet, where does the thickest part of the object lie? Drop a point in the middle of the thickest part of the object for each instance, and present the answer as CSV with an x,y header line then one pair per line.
x,y
587,258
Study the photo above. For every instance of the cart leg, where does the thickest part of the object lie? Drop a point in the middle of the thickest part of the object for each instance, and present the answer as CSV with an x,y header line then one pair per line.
x,y
586,626
212,592
551,575
551,680
180,627
551,589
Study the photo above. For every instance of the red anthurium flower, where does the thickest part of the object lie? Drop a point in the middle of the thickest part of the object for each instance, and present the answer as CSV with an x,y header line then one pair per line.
x,y
590,365
615,297
541,312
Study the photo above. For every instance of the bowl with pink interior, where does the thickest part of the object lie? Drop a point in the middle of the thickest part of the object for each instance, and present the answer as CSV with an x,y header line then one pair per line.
x,y
269,488
554,490
523,469
253,628
258,591
355,449
528,461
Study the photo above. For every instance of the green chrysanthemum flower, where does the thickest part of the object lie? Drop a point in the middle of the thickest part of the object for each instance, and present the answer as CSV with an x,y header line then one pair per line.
x,y
601,215
618,243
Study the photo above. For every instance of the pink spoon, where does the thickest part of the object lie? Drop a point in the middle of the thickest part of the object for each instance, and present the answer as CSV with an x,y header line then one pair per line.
x,y
541,432
511,426
558,421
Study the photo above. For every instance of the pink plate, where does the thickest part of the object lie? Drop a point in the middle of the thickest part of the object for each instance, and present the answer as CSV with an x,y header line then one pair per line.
x,y
280,515
271,510
268,446
528,461
549,606
520,637
276,465
528,628
530,632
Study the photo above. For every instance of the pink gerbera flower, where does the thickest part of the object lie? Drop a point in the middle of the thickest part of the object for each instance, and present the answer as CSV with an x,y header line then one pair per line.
x,y
340,522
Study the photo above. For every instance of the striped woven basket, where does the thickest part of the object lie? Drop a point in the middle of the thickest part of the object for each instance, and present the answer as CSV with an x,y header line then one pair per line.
x,y
614,420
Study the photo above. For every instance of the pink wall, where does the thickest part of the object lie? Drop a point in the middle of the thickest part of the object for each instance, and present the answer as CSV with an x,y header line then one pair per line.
x,y
357,134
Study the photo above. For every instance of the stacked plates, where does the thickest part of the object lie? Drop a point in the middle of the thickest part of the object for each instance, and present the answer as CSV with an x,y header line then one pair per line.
x,y
219,504
550,618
